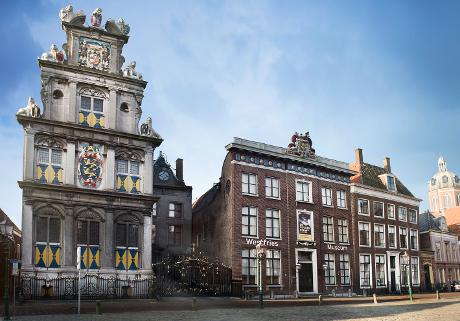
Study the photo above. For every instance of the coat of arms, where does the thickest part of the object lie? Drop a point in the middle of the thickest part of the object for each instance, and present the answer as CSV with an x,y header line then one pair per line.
x,y
90,165
301,145
94,54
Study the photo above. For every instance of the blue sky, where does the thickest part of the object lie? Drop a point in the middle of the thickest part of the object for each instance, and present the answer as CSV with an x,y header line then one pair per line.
x,y
383,76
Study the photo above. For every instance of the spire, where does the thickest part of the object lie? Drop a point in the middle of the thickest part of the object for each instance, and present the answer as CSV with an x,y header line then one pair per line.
x,y
442,164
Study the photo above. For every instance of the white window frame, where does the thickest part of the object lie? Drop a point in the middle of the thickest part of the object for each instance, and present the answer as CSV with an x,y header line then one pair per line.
x,y
396,237
407,239
323,225
370,271
394,211
249,184
280,275
347,230
344,255
339,199
330,268
359,207
326,196
384,241
399,213
384,270
418,270
383,209
310,193
417,240
279,223
269,187
395,189
249,222
369,234
416,215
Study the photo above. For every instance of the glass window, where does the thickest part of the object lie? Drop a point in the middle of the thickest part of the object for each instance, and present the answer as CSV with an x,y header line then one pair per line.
x,y
127,235
249,221
175,234
43,155
154,210
122,166
87,232
343,230
344,260
391,211
378,209
249,266
329,272
391,183
402,214
413,239
363,207
128,178
175,210
364,234
272,223
273,267
446,201
414,269
302,191
379,235
272,187
97,105
380,270
391,236
249,183
365,270
328,229
56,157
403,237
85,102
48,229
134,168
341,199
412,216
326,195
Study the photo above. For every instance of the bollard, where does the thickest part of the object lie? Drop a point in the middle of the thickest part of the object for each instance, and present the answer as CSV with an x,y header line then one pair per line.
x,y
349,293
320,299
438,297
194,306
375,299
98,307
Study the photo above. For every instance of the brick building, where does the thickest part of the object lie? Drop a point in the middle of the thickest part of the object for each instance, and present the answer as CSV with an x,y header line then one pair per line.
x,y
294,202
385,226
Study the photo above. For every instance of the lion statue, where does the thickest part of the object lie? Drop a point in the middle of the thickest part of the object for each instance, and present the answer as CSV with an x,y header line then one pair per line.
x,y
31,110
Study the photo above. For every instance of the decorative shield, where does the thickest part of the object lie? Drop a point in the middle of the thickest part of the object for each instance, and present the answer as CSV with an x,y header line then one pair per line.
x,y
90,165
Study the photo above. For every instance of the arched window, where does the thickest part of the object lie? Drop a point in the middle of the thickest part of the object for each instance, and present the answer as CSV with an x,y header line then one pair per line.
x,y
124,107
48,160
88,241
128,171
47,241
92,107
57,94
127,244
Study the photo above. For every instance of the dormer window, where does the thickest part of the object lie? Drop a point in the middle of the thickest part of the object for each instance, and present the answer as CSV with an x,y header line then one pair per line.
x,y
391,183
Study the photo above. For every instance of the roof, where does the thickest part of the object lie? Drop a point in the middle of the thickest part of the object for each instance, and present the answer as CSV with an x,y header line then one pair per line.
x,y
206,199
428,221
370,177
452,216
3,217
162,165
258,147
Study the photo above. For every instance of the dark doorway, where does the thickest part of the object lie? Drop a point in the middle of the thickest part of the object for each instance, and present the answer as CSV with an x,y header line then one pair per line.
x,y
426,269
306,277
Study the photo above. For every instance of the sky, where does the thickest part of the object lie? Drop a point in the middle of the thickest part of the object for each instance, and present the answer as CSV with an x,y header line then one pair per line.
x,y
380,75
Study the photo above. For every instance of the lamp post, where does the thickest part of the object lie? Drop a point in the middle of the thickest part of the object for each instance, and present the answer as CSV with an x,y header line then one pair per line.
x,y
261,253
408,270
6,230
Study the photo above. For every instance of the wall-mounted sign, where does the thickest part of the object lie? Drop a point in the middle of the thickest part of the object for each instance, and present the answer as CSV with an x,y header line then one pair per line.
x,y
304,225
263,242
306,243
337,247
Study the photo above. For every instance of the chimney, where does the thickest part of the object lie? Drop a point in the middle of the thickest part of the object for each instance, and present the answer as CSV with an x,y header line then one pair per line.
x,y
180,169
386,164
359,156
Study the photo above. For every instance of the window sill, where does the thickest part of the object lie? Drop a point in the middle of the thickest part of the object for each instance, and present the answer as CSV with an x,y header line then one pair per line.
x,y
273,198
252,195
274,285
274,238
382,217
304,202
380,247
364,245
250,236
363,214
342,208
329,206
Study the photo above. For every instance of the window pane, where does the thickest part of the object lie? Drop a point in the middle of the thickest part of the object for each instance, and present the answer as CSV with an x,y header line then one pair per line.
x,y
132,235
122,166
43,155
55,230
98,105
134,168
56,157
42,228
94,233
85,103
82,232
121,235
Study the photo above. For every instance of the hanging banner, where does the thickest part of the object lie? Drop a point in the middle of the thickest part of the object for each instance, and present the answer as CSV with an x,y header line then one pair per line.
x,y
304,225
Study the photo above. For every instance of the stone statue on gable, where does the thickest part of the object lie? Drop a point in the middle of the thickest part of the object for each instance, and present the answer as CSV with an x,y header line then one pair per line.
x,y
131,72
147,129
75,18
31,110
301,145
96,18
54,55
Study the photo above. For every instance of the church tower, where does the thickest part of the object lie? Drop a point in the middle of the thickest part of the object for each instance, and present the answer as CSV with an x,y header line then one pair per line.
x,y
88,165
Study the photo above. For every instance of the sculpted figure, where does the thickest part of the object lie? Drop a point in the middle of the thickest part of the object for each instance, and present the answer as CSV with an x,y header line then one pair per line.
x,y
130,71
146,127
96,18
67,15
54,54
31,110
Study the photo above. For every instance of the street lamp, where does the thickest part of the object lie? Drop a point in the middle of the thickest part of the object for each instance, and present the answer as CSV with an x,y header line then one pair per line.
x,y
261,254
408,269
6,230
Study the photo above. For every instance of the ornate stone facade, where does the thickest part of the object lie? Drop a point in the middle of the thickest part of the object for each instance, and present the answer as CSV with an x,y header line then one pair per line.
x,y
88,171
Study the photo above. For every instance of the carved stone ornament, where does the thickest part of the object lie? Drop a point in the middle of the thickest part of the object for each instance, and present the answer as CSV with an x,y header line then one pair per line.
x,y
131,72
120,27
96,18
94,54
94,92
75,18
127,154
54,55
90,162
301,145
50,141
31,110
147,130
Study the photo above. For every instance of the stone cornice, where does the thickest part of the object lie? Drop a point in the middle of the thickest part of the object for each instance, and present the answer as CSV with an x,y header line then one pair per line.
x,y
374,192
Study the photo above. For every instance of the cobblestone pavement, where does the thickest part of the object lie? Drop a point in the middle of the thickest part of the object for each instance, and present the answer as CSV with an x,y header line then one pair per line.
x,y
446,310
